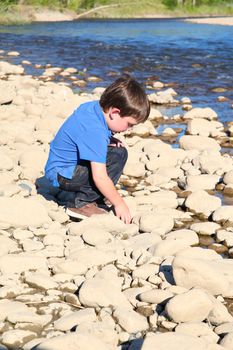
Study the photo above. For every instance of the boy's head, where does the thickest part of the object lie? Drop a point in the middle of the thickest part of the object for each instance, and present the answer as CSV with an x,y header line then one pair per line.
x,y
125,103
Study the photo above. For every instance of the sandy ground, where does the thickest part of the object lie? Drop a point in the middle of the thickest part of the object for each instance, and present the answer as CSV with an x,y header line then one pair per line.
x,y
226,21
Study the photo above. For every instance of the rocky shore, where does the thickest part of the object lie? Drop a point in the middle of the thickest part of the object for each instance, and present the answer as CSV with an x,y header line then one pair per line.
x,y
225,21
163,282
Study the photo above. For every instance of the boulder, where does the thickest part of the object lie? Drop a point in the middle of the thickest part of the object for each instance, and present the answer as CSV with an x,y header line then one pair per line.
x,y
201,143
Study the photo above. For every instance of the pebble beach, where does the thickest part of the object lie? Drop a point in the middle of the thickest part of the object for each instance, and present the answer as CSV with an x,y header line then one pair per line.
x,y
163,282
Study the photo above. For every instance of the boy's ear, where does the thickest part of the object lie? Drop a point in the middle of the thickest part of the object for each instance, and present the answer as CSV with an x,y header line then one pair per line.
x,y
114,113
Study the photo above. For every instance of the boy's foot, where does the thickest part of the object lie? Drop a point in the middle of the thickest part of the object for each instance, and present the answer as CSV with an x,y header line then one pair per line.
x,y
85,212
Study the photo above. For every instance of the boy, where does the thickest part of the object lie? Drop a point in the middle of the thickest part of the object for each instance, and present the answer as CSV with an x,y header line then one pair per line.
x,y
84,156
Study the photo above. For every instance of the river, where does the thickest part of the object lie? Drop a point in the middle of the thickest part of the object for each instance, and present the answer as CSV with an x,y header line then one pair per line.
x,y
197,58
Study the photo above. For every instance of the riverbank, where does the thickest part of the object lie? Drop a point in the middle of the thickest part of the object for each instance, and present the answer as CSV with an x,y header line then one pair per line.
x,y
165,279
27,14
226,21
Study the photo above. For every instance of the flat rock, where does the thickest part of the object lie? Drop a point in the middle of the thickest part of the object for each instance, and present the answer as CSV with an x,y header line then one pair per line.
x,y
73,341
8,307
170,247
16,338
201,182
192,306
129,320
200,202
201,143
227,341
225,213
21,212
228,178
29,316
66,322
205,113
155,296
186,234
13,263
199,253
195,329
191,273
160,223
205,228
96,236
7,245
173,341
40,281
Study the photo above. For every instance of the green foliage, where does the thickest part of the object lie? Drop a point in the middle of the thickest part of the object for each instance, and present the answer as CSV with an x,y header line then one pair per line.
x,y
170,4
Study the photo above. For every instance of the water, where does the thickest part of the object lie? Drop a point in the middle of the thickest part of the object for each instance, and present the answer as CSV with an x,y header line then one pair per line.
x,y
196,57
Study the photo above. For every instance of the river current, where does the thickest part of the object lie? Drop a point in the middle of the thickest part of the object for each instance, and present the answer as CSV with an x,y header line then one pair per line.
x,y
197,58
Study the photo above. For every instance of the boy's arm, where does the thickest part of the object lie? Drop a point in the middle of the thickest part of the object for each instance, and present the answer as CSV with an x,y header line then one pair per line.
x,y
107,188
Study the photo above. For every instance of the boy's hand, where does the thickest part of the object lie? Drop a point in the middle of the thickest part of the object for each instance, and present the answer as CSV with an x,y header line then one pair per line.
x,y
123,213
114,142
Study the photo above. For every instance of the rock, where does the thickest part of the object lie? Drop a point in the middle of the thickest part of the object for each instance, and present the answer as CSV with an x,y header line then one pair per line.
x,y
191,273
205,228
214,163
29,316
203,127
129,320
67,322
219,313
206,113
172,341
7,245
224,328
200,202
201,182
155,296
225,213
159,223
8,68
106,293
199,253
73,341
20,212
96,236
228,178
195,329
192,306
92,256
200,143
227,341
8,307
40,281
16,338
145,271
19,263
170,247
185,234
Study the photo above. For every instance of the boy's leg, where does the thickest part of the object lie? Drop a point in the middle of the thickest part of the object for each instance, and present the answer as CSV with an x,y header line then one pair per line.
x,y
82,182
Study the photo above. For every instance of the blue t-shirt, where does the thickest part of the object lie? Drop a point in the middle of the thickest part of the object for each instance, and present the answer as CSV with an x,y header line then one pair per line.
x,y
84,135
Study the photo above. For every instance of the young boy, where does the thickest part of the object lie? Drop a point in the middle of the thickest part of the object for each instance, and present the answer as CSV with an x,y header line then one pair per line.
x,y
84,156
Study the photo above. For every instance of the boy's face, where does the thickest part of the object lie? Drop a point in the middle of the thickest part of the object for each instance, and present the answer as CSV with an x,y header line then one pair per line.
x,y
117,123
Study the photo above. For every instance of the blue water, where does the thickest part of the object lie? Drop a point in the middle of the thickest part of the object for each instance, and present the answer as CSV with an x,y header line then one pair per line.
x,y
163,49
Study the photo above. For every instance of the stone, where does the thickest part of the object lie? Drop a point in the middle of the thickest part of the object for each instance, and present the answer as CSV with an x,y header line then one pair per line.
x,y
8,68
195,329
26,159
201,143
6,162
73,341
227,341
200,202
129,320
203,127
191,273
206,113
199,253
224,213
21,212
172,341
16,338
145,271
224,328
160,223
40,281
170,247
67,322
191,306
186,234
201,182
13,263
228,177
155,296
219,314
205,228
7,245
29,316
106,293
8,307
96,236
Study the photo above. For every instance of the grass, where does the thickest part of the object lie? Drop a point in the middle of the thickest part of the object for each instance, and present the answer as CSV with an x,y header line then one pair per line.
x,y
124,9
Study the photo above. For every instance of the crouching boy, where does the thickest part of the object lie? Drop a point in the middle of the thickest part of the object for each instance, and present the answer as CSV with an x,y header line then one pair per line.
x,y
84,156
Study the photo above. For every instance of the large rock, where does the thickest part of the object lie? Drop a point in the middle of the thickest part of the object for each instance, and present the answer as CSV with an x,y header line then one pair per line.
x,y
189,142
200,202
73,341
192,306
191,273
170,247
21,212
206,113
8,68
172,341
160,223
225,213
201,182
13,263
228,178
227,341
66,322
203,127
129,320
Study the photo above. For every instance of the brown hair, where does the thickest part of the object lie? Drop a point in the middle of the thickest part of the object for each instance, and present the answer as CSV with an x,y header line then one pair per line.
x,y
128,96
